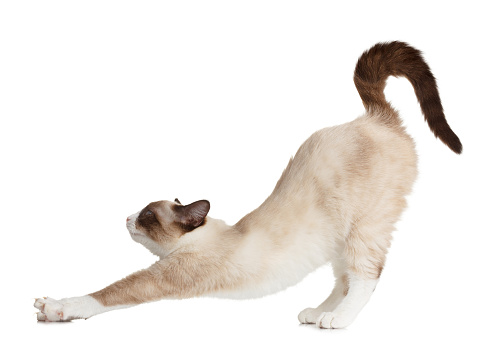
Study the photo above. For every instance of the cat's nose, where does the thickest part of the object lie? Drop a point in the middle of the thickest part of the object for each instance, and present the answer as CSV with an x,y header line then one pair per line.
x,y
128,219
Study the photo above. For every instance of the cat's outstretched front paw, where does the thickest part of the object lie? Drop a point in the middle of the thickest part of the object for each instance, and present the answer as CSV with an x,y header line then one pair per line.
x,y
51,310
67,309
331,320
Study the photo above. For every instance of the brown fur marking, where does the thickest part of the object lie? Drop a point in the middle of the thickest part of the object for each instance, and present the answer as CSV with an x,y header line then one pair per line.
x,y
399,59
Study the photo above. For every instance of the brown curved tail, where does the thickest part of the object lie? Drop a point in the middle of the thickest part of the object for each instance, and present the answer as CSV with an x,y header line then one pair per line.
x,y
399,59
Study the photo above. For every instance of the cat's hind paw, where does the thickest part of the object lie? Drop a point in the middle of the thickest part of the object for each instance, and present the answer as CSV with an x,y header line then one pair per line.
x,y
308,316
331,320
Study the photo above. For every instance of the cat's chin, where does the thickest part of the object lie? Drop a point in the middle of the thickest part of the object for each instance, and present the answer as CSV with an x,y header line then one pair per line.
x,y
152,246
135,232
139,238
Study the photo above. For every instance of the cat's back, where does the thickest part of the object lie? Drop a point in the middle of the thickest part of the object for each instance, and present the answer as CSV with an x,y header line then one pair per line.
x,y
358,148
359,162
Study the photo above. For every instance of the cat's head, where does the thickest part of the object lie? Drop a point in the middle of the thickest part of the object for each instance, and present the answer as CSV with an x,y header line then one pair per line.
x,y
160,225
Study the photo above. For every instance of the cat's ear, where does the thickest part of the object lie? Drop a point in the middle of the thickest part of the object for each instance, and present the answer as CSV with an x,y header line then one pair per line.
x,y
192,215
178,201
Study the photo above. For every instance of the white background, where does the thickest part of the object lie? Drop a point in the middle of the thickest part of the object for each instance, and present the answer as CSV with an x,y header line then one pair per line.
x,y
106,106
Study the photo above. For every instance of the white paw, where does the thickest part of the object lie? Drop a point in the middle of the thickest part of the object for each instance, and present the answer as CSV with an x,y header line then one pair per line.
x,y
51,310
331,320
66,309
308,316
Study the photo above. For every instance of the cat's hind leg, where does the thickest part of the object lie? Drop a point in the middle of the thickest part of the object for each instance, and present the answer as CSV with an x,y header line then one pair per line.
x,y
310,315
365,251
345,313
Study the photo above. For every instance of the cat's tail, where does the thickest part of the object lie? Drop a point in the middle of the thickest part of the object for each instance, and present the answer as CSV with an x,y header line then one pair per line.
x,y
399,59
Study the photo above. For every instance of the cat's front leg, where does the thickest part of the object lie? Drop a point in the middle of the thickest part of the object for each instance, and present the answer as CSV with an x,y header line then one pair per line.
x,y
180,276
143,286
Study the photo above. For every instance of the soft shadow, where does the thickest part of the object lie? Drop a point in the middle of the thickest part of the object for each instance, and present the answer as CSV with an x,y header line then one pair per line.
x,y
331,331
54,323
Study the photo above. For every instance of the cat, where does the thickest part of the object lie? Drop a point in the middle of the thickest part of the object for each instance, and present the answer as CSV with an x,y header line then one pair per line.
x,y
336,202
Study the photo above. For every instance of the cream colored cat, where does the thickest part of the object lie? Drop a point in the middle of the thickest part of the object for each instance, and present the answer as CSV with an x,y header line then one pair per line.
x,y
336,202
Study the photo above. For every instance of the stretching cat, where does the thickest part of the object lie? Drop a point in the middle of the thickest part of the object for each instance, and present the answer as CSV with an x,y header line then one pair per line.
x,y
337,201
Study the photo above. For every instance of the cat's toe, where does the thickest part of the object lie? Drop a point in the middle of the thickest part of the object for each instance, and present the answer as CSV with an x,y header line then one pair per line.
x,y
41,317
51,310
307,316
330,320
40,303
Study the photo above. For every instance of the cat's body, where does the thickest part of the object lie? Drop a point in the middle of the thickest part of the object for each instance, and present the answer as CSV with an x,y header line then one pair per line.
x,y
336,202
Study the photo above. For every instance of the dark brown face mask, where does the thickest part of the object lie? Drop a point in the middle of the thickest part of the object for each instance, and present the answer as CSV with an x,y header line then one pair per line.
x,y
162,221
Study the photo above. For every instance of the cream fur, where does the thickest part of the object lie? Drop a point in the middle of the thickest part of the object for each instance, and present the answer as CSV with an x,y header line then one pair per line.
x,y
336,202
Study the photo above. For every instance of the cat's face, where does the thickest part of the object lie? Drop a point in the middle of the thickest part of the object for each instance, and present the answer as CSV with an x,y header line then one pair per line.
x,y
160,224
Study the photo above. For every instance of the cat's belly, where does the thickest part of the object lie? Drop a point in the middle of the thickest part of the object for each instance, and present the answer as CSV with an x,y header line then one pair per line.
x,y
279,269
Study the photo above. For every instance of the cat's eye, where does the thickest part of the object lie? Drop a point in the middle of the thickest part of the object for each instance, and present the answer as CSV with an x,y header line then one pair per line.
x,y
148,213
